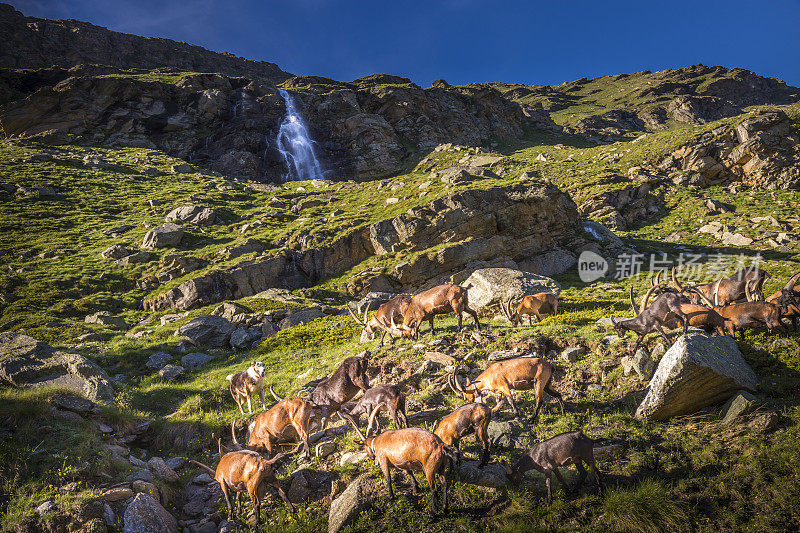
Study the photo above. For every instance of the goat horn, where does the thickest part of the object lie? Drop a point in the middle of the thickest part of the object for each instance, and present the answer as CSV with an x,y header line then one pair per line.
x,y
675,279
791,283
702,296
633,303
716,292
354,424
747,293
646,298
275,395
233,434
350,310
366,311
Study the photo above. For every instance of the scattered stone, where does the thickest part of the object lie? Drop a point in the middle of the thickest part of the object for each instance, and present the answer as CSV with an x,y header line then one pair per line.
x,y
352,458
145,515
228,310
194,214
440,358
741,404
163,236
181,168
76,404
503,433
116,251
499,355
139,485
175,462
88,337
643,364
158,360
170,372
162,471
45,508
106,319
492,475
191,361
207,330
359,495
571,354
109,518
142,474
203,479
324,449
300,316
716,207
428,366
135,258
696,372
243,337
764,422
605,452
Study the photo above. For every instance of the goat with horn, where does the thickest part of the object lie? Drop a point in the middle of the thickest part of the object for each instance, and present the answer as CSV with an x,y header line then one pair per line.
x,y
387,318
501,377
651,318
745,315
539,304
788,299
386,396
727,290
286,421
470,418
439,300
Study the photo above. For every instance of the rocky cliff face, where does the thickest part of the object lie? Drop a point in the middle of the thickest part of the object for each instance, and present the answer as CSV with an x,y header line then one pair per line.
x,y
470,229
34,43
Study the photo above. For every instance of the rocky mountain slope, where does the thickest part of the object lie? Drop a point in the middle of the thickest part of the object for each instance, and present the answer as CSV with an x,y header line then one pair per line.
x,y
146,256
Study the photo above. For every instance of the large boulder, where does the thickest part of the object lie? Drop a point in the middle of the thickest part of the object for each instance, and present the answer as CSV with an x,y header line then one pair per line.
x,y
490,286
196,214
358,495
27,362
696,372
492,475
207,330
146,515
105,318
163,236
301,316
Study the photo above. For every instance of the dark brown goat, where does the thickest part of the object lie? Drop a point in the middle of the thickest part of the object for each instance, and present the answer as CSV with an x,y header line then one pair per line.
x,y
788,299
439,300
470,418
730,289
539,304
387,318
562,450
386,396
746,315
653,318
246,470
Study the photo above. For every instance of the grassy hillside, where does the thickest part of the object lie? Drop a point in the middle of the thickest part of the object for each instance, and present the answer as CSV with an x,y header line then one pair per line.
x,y
691,473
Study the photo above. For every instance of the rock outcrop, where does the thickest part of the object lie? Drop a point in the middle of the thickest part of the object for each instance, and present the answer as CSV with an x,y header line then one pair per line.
x,y
357,496
489,287
207,330
146,515
696,372
27,362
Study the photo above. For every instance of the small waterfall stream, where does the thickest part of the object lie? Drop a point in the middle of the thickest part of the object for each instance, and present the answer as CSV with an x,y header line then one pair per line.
x,y
296,146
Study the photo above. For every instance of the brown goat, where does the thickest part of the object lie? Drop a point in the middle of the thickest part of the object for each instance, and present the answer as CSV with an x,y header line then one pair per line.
x,y
439,300
246,470
562,450
539,304
746,315
788,299
411,449
519,373
725,290
651,318
387,318
286,421
470,418
386,396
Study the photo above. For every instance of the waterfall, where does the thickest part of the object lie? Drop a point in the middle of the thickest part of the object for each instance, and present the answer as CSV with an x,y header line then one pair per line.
x,y
296,146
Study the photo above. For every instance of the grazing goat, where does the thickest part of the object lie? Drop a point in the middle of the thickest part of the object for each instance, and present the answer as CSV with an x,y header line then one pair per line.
x,y
387,318
543,303
698,316
750,314
286,421
245,384
439,300
242,470
562,450
500,377
728,290
386,396
664,307
467,419
411,449
789,300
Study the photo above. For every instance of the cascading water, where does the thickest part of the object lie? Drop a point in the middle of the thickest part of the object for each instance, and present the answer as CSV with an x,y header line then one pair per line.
x,y
296,146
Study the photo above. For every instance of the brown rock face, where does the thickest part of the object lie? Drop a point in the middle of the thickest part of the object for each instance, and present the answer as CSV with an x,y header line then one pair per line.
x,y
500,225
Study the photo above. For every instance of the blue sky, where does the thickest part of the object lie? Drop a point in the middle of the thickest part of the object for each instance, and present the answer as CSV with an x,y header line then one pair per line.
x,y
466,41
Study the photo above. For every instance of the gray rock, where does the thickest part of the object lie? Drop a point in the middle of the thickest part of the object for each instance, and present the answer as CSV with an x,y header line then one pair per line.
x,y
643,364
75,404
202,479
195,214
181,168
552,263
142,474
106,319
109,518
227,526
741,404
352,458
360,494
162,470
571,354
175,462
428,366
268,329
325,448
490,286
244,337
207,330
492,475
146,515
503,434
301,316
116,251
157,360
27,362
45,508
163,236
499,355
191,361
228,310
696,372
170,372
88,337
372,301
135,258
658,352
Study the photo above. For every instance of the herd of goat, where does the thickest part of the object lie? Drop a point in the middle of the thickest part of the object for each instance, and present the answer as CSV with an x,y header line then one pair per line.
x,y
729,304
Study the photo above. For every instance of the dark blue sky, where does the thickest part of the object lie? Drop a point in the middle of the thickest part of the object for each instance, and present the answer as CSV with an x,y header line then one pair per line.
x,y
466,40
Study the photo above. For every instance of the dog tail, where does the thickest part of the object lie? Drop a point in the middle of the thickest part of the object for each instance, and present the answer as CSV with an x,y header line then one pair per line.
x,y
229,376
